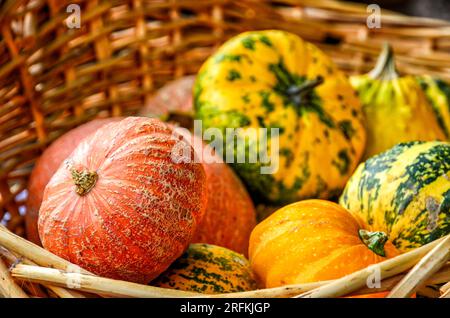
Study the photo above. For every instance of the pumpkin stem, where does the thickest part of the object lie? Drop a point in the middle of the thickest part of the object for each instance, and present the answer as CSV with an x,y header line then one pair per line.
x,y
385,67
84,180
298,92
374,241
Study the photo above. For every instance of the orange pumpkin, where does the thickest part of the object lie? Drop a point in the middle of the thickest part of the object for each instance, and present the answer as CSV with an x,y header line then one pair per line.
x,y
121,206
376,295
230,215
46,166
313,240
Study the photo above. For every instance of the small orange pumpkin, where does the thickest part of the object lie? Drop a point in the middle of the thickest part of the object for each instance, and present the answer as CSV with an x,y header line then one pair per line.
x,y
313,240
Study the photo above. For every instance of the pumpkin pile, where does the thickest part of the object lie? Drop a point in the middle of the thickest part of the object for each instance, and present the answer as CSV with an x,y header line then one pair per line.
x,y
115,197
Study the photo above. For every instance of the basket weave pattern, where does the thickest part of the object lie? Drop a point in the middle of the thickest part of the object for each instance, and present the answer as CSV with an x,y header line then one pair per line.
x,y
54,78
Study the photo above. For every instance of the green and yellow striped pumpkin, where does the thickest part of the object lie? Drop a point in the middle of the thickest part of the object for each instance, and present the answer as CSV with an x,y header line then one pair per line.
x,y
274,79
437,92
401,108
404,192
208,269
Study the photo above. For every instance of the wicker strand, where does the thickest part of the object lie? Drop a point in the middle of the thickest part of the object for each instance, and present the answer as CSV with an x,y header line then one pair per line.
x,y
117,288
141,33
92,284
58,291
427,266
445,290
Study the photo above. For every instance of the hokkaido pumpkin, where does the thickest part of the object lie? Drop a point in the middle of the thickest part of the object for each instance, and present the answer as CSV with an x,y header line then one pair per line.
x,y
274,79
172,102
404,192
46,166
120,206
230,215
313,240
208,269
398,109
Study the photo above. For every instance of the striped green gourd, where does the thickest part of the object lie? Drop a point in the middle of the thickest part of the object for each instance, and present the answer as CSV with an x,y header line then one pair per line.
x,y
404,192
208,269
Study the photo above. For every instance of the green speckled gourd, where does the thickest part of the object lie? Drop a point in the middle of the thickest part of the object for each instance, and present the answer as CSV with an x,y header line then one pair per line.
x,y
208,269
437,92
404,192
273,79
401,108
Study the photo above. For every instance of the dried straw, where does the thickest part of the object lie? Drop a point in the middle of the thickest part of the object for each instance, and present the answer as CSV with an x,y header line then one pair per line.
x,y
93,284
386,269
427,266
117,288
58,291
8,288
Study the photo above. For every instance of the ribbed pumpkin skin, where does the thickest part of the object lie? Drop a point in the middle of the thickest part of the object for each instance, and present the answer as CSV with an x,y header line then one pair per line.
x,y
46,166
309,241
245,83
397,111
208,269
401,108
404,192
141,213
230,215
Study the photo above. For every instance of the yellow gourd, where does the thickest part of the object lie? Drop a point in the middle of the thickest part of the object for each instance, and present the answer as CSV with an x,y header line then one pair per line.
x,y
397,108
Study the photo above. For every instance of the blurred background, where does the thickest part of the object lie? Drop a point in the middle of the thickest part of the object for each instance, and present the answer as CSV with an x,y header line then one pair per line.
x,y
439,9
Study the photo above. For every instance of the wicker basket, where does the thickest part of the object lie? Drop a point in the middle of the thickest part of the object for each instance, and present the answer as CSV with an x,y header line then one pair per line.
x,y
54,78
